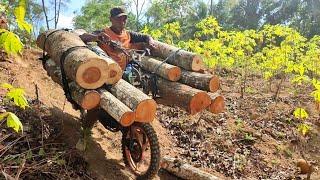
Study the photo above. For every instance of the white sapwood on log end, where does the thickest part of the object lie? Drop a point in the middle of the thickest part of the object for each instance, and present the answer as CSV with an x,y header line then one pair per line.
x,y
114,73
92,74
197,63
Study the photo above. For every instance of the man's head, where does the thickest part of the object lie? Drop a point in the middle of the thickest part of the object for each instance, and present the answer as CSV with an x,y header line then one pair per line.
x,y
118,18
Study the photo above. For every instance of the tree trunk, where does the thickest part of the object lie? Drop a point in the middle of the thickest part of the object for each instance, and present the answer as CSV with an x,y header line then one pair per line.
x,y
87,99
191,99
81,65
217,103
184,170
205,82
186,60
143,105
164,70
45,14
115,108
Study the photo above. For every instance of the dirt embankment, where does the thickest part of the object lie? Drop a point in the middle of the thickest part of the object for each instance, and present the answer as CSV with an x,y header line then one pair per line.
x,y
256,138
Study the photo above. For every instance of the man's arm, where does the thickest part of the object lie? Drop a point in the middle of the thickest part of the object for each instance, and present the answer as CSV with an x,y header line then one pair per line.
x,y
94,37
87,37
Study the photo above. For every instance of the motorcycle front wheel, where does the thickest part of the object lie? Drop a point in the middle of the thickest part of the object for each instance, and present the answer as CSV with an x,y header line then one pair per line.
x,y
141,151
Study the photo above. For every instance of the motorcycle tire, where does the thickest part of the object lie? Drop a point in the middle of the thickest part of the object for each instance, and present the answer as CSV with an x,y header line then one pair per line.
x,y
147,142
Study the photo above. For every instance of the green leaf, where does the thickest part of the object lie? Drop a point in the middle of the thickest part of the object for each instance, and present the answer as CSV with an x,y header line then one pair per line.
x,y
14,122
29,154
300,113
10,42
17,95
61,162
41,152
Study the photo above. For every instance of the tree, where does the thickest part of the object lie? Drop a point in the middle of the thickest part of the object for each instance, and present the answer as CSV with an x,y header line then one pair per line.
x,y
95,14
57,7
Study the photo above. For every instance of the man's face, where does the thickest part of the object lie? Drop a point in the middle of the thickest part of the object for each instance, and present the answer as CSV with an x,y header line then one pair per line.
x,y
119,22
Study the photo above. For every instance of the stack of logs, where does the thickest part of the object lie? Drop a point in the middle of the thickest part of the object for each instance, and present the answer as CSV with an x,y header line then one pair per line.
x,y
87,72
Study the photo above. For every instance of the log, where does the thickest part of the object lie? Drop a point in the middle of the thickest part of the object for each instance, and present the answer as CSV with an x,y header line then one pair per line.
x,y
81,65
144,106
217,103
205,82
191,99
115,108
186,60
87,99
184,170
167,71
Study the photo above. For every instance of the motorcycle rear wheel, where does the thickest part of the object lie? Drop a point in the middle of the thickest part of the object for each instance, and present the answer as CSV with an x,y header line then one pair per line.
x,y
141,151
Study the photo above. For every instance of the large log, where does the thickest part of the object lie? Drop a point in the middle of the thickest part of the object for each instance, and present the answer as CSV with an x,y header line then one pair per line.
x,y
217,103
205,82
164,70
87,99
191,99
140,103
115,108
184,170
186,60
81,65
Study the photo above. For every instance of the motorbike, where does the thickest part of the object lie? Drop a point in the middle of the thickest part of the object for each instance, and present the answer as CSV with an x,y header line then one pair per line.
x,y
140,146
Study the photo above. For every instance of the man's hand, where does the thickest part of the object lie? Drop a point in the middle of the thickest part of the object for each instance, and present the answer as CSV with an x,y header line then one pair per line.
x,y
103,37
151,43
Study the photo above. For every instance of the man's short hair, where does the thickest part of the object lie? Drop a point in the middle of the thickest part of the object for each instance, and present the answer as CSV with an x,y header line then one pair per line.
x,y
117,12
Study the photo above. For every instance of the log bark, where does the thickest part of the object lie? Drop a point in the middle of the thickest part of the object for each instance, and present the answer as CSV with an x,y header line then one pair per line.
x,y
167,71
81,65
140,103
186,60
191,99
217,103
205,82
115,108
87,99
184,170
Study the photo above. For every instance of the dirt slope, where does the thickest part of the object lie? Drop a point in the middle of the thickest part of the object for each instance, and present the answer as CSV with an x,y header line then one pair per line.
x,y
104,154
256,138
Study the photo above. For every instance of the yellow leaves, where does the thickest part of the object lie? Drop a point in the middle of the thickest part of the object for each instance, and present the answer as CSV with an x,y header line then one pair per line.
x,y
304,128
208,26
19,13
10,42
17,95
12,121
316,93
300,113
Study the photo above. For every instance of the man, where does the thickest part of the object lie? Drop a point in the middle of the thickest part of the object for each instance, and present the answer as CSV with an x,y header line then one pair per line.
x,y
116,32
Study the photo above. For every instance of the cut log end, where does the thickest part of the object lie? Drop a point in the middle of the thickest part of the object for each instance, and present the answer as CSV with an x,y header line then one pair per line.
x,y
214,84
91,74
217,105
127,119
199,102
146,111
114,74
197,63
174,74
91,100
